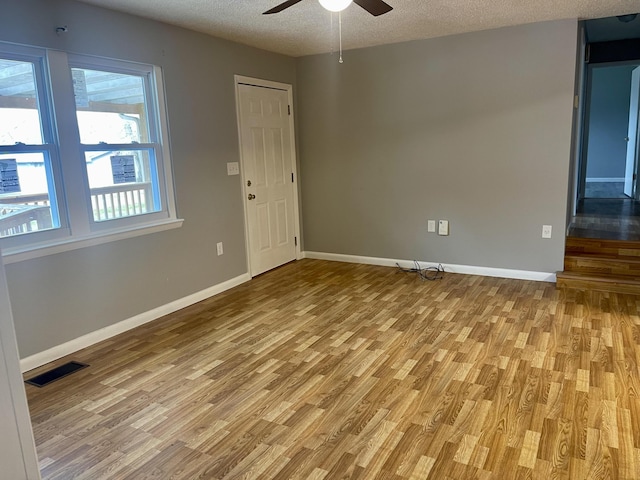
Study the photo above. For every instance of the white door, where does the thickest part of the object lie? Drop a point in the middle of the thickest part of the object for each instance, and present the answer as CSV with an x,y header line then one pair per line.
x,y
267,168
632,136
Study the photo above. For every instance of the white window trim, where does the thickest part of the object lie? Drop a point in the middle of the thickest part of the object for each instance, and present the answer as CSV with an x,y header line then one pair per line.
x,y
155,104
39,57
28,252
80,231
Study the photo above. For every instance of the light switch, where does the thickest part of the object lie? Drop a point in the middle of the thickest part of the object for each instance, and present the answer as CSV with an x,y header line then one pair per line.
x,y
431,226
443,227
233,168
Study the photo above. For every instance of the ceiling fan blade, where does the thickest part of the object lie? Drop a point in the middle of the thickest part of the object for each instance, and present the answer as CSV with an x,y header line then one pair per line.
x,y
374,7
281,7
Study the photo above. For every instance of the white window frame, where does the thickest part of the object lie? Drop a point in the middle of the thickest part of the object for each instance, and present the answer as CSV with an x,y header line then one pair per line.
x,y
49,147
149,74
67,156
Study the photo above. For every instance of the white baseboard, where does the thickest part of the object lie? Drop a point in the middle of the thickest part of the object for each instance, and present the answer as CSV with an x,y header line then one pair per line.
x,y
465,269
92,338
605,180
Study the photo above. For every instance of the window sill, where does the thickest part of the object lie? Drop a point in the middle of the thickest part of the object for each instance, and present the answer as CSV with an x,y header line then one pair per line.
x,y
20,254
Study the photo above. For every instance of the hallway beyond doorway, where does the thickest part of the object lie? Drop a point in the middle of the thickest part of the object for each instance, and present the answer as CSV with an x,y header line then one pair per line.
x,y
604,190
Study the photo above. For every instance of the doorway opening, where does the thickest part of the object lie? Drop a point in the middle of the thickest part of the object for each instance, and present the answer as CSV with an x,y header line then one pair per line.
x,y
607,203
611,124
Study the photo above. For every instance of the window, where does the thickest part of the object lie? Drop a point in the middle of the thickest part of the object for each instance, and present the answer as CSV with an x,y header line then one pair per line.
x,y
28,201
119,139
104,170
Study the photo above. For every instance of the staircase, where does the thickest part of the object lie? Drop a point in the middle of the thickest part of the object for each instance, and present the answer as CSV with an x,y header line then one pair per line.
x,y
604,265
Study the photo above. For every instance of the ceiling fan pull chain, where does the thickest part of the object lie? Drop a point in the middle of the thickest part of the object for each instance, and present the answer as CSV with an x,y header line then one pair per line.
x,y
331,36
340,29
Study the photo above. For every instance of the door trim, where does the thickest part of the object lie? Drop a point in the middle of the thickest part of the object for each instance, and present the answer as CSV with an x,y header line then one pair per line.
x,y
14,401
635,92
258,82
577,145
586,120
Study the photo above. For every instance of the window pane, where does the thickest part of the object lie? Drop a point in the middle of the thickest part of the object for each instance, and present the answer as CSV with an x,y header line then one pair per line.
x,y
122,183
26,204
110,107
19,114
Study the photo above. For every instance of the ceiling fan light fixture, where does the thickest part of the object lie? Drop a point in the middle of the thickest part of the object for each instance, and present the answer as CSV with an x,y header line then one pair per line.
x,y
627,18
335,5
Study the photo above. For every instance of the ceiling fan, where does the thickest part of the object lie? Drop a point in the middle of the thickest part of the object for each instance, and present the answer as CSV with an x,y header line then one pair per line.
x,y
374,7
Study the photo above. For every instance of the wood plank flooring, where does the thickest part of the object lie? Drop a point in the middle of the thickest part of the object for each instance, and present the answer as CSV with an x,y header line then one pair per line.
x,y
324,370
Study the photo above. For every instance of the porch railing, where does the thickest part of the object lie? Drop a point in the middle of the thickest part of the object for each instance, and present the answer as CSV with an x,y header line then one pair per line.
x,y
29,199
123,200
32,212
17,219
24,213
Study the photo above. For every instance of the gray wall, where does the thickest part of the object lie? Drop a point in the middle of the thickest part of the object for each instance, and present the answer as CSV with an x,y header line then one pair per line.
x,y
474,129
63,296
608,121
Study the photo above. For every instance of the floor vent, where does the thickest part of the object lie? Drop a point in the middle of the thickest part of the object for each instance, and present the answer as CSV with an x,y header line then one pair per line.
x,y
56,374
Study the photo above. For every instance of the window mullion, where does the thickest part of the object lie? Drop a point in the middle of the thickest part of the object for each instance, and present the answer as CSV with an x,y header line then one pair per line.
x,y
71,158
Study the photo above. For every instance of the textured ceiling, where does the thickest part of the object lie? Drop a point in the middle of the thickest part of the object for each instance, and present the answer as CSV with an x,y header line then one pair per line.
x,y
306,28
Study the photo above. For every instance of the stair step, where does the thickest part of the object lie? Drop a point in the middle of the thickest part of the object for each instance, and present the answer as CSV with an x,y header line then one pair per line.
x,y
598,264
602,247
599,282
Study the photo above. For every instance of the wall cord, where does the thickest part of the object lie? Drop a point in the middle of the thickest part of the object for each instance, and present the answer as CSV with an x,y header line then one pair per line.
x,y
428,273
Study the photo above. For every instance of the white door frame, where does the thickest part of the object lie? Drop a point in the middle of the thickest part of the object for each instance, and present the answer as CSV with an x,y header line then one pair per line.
x,y
580,99
18,455
631,165
258,82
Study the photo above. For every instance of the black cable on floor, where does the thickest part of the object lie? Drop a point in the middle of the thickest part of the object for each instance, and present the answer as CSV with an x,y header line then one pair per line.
x,y
428,273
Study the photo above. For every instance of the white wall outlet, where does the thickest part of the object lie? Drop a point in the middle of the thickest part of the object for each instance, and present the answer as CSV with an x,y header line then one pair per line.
x,y
219,248
233,168
546,231
431,226
443,227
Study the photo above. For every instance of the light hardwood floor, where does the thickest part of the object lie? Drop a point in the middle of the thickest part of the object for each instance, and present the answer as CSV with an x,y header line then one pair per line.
x,y
322,370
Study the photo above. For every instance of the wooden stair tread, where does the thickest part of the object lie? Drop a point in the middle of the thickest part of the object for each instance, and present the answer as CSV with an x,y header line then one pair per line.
x,y
597,264
599,277
603,248
605,253
579,241
598,282
604,257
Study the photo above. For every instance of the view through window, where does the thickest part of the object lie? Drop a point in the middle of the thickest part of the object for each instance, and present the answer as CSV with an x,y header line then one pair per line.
x,y
111,109
121,181
27,193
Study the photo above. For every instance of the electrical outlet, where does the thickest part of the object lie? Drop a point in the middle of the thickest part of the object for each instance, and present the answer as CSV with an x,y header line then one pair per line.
x,y
431,226
443,227
220,249
546,231
233,168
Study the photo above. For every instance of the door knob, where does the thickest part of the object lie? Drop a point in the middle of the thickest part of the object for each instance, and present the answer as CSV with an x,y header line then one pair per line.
x,y
251,196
